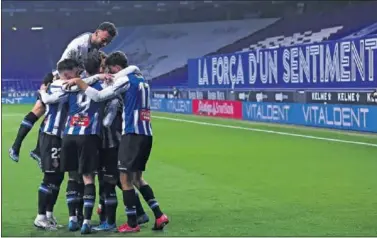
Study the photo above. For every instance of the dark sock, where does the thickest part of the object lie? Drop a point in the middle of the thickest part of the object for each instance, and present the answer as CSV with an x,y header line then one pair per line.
x,y
102,195
71,195
148,195
111,202
129,200
24,129
139,208
80,200
54,196
89,200
44,194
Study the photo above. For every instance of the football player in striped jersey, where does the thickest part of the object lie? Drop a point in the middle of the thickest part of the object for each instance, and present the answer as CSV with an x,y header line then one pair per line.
x,y
80,145
55,101
50,145
136,142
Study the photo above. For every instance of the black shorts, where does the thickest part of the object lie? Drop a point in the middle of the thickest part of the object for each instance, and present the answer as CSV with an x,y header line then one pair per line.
x,y
50,146
134,151
108,162
80,153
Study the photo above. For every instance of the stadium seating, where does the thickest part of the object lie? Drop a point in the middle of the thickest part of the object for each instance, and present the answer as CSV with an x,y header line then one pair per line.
x,y
296,38
307,28
162,48
156,49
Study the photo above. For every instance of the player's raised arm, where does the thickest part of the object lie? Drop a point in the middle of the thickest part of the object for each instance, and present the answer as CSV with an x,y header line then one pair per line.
x,y
120,85
89,80
124,72
53,93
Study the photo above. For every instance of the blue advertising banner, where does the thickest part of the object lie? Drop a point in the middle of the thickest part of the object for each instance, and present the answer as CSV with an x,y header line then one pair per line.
x,y
171,105
342,64
18,100
345,117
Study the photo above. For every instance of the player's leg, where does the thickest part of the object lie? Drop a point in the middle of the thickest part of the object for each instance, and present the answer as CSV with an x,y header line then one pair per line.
x,y
51,149
101,210
110,177
144,188
126,157
36,154
88,165
80,200
44,195
25,127
54,177
69,163
72,198
148,195
54,181
142,217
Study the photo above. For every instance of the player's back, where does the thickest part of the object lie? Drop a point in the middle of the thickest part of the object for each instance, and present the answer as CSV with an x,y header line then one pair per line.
x,y
136,109
55,117
84,114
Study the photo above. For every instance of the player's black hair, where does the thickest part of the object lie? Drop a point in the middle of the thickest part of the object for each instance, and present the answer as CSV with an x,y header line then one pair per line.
x,y
117,58
49,77
109,27
93,62
67,64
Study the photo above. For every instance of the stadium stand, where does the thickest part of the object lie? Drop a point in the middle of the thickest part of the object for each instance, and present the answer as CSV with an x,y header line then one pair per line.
x,y
314,27
157,49
162,50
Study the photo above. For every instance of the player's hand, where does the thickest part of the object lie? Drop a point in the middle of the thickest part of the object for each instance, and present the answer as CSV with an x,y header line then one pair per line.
x,y
70,82
106,77
43,87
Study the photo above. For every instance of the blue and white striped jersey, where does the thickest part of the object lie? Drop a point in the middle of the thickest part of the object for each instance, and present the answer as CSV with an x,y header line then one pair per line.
x,y
135,93
84,115
112,124
55,115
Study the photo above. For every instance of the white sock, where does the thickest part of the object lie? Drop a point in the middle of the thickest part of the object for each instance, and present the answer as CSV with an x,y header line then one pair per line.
x,y
87,221
41,217
73,218
49,214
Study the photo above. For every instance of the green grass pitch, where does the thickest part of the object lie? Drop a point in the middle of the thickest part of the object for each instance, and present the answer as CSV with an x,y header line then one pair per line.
x,y
214,181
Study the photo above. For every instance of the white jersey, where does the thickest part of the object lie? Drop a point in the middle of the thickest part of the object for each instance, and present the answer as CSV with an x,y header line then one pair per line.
x,y
78,49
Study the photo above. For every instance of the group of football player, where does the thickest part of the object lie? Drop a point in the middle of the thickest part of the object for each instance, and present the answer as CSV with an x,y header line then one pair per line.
x,y
96,122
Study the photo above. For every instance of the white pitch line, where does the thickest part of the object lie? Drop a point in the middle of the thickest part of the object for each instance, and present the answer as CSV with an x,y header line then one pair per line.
x,y
267,131
248,129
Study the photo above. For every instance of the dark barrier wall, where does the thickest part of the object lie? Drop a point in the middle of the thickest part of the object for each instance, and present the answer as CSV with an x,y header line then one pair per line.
x,y
335,116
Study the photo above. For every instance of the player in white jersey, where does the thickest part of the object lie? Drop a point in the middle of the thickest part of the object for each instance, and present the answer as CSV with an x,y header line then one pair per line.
x,y
77,49
136,142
